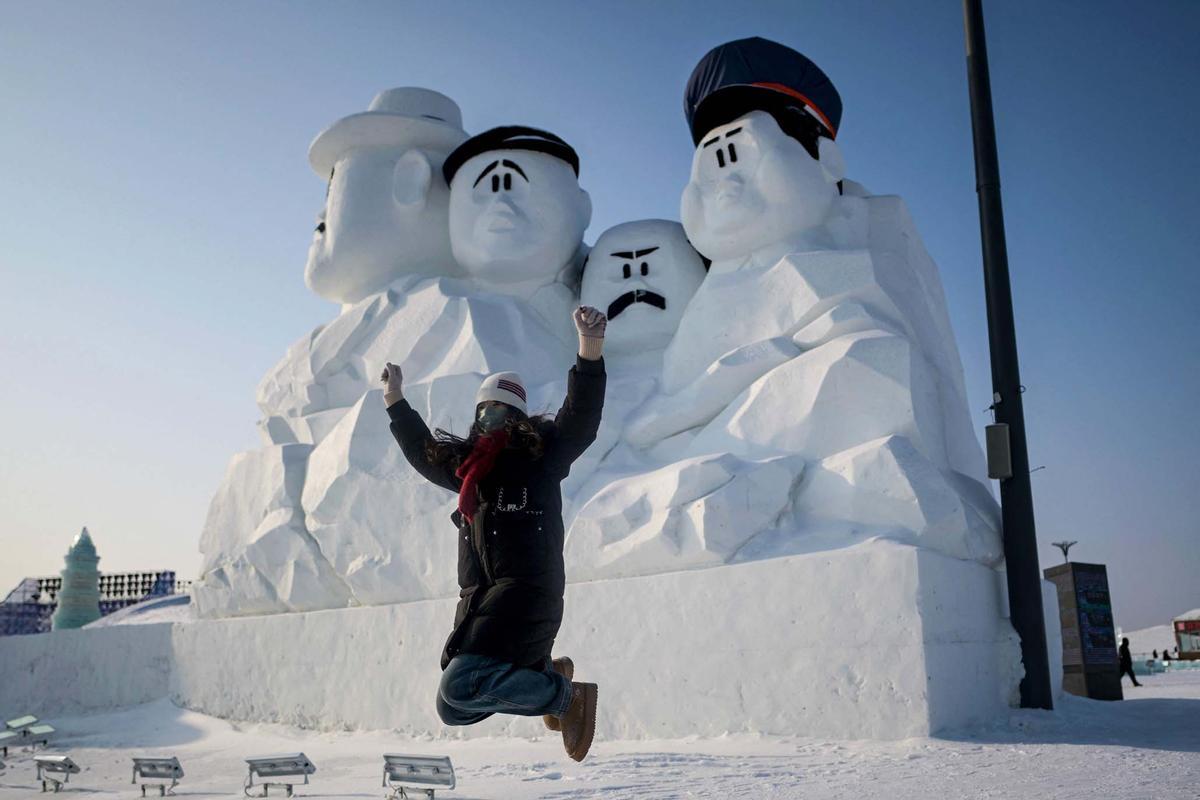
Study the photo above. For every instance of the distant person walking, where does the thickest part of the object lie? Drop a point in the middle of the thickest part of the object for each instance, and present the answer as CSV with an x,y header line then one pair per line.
x,y
1126,662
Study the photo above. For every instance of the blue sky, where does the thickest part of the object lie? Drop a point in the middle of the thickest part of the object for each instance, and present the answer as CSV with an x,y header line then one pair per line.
x,y
158,208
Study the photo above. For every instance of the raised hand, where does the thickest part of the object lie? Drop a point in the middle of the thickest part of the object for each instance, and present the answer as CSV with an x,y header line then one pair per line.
x,y
590,321
393,377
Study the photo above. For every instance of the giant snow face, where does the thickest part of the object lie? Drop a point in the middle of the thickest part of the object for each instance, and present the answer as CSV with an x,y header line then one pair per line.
x,y
641,274
516,216
385,216
753,186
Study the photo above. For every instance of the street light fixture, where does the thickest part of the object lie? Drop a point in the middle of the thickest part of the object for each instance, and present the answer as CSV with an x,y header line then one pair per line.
x,y
1064,546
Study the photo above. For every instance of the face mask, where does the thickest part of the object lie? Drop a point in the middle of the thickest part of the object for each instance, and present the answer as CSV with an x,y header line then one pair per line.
x,y
491,418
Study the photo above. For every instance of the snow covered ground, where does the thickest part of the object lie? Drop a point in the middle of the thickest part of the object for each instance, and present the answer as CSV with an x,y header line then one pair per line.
x,y
1145,747
172,608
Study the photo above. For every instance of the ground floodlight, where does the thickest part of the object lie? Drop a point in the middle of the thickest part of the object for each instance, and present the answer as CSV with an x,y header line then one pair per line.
x,y
50,766
419,773
155,771
38,733
287,765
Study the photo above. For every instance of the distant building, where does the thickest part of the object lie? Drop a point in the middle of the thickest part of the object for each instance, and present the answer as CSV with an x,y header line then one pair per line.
x,y
29,607
1187,634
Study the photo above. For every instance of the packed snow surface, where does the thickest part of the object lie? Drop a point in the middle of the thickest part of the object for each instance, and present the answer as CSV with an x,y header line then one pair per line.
x,y
174,608
1143,747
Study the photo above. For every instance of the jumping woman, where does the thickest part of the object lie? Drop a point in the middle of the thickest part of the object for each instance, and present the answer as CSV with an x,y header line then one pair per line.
x,y
506,473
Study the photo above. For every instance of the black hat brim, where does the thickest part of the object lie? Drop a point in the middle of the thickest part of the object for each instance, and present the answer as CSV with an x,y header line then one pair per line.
x,y
727,104
511,137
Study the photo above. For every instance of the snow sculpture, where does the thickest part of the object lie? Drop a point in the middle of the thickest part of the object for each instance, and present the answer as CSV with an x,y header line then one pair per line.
x,y
323,494
840,350
517,213
385,213
79,597
517,217
384,221
535,229
516,222
642,274
259,556
802,394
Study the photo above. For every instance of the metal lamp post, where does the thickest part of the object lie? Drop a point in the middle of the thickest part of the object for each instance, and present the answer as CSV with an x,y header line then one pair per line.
x,y
1016,497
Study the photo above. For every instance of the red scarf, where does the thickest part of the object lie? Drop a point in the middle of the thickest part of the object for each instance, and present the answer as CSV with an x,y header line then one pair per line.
x,y
475,466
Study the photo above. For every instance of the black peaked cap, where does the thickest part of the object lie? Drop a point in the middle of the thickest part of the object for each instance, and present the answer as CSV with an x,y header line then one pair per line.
x,y
756,73
510,137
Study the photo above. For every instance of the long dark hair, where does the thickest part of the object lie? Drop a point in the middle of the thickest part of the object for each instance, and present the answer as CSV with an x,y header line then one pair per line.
x,y
524,433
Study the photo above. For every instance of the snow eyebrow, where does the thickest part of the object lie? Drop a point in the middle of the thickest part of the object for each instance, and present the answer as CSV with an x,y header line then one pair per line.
x,y
624,254
485,172
513,166
738,129
710,141
646,252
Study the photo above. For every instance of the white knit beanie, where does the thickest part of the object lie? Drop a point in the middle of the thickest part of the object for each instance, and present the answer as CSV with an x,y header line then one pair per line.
x,y
505,387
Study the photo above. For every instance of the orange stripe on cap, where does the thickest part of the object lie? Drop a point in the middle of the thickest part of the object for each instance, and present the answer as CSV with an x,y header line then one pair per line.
x,y
779,87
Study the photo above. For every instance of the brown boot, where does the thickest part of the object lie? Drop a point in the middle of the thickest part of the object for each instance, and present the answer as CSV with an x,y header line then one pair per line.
x,y
579,723
565,667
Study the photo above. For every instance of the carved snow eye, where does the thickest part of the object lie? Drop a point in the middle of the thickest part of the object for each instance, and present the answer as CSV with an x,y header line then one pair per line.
x,y
645,268
625,269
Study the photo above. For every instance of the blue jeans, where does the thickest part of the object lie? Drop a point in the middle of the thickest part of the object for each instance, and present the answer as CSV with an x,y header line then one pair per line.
x,y
474,687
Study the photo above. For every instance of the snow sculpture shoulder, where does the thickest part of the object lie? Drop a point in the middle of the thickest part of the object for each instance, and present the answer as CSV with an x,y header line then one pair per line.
x,y
642,274
385,214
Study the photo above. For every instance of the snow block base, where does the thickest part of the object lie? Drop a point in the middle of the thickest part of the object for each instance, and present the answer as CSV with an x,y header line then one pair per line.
x,y
880,640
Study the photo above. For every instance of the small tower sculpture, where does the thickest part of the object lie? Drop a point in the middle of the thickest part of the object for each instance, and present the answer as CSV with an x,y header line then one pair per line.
x,y
79,597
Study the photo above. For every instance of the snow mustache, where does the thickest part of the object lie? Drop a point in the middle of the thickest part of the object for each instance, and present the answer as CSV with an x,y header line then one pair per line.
x,y
636,296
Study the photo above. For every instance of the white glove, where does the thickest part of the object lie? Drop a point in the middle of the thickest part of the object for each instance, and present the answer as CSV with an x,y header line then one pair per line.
x,y
393,379
591,323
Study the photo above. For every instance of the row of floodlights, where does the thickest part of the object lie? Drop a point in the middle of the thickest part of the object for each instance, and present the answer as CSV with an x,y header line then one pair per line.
x,y
25,730
400,773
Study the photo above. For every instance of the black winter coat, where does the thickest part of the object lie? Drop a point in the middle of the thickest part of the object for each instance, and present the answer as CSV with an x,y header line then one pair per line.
x,y
510,560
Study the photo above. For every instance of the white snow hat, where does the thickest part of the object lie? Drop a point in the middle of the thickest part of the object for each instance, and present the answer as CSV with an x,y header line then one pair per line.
x,y
407,116
505,387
